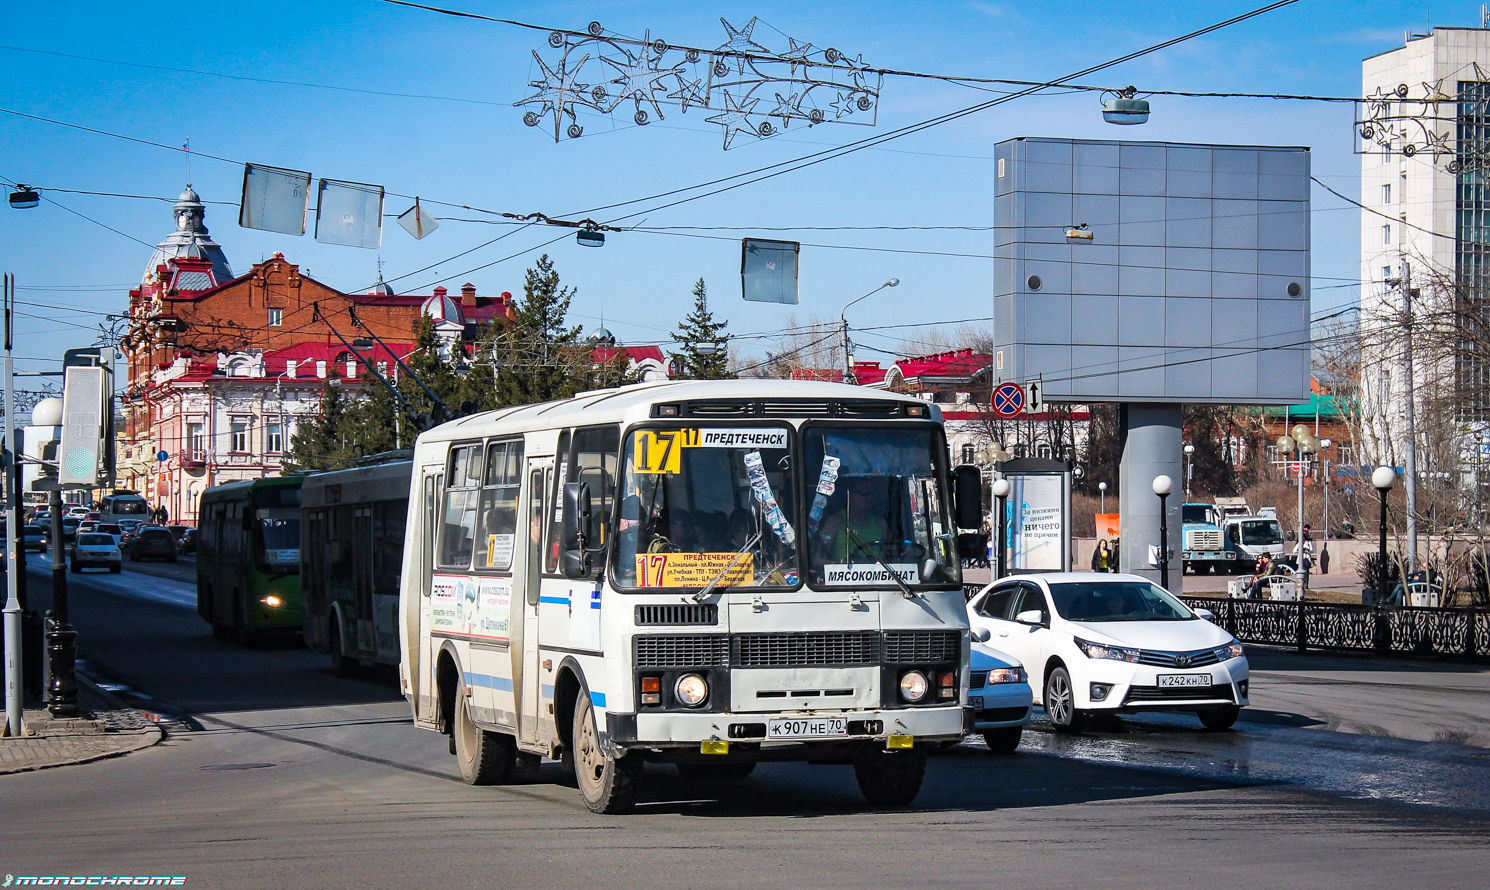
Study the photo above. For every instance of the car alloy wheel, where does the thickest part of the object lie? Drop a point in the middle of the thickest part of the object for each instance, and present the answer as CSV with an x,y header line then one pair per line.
x,y
1060,702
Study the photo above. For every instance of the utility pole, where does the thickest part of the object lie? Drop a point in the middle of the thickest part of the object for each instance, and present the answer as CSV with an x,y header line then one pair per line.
x,y
13,659
1412,438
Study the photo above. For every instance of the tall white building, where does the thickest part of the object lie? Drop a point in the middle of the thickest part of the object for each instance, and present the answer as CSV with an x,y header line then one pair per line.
x,y
1425,159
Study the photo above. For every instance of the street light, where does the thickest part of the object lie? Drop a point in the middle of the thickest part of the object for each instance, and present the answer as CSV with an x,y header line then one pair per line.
x,y
848,347
1163,485
1304,444
1189,468
1000,494
1384,478
1102,490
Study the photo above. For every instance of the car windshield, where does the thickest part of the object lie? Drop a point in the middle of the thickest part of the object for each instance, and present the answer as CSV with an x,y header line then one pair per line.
x,y
96,541
1262,531
1200,513
1117,601
878,505
702,506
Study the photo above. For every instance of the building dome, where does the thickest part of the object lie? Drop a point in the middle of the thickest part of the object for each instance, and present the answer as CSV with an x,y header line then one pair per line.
x,y
190,239
602,337
381,288
441,307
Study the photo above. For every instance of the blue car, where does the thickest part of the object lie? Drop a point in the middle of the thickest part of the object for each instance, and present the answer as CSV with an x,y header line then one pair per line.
x,y
999,696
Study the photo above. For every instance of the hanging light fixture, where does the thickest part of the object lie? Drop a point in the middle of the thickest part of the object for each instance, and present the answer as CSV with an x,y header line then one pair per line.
x,y
24,197
590,238
1121,107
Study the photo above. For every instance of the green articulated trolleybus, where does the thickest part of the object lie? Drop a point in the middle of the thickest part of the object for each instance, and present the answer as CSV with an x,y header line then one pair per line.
x,y
709,574
248,558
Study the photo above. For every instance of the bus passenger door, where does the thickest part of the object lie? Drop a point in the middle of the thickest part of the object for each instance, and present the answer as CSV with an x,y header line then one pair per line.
x,y
422,652
533,684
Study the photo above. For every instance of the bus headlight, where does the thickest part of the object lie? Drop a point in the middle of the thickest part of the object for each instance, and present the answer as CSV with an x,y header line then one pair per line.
x,y
913,686
692,690
271,601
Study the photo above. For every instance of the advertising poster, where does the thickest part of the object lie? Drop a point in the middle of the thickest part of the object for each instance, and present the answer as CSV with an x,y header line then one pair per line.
x,y
1037,530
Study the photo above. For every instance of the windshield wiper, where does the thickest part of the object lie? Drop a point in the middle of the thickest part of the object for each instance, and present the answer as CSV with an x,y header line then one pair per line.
x,y
707,589
894,576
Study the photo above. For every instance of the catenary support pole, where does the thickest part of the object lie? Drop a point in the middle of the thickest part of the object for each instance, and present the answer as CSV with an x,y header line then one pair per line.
x,y
62,652
13,657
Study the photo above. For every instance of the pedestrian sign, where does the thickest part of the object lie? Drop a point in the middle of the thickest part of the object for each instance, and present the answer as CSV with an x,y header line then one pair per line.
x,y
1008,400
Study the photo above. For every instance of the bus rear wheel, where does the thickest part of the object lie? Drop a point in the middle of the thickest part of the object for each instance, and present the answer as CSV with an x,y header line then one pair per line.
x,y
484,757
607,784
891,778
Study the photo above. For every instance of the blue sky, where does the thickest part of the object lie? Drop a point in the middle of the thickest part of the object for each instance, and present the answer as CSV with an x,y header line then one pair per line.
x,y
479,153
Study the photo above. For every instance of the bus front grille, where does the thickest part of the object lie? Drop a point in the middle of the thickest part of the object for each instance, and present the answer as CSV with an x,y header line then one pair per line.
x,y
682,613
682,650
922,646
806,648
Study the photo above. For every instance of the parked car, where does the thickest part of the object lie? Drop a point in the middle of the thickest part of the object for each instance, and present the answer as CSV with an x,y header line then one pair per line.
x,y
1113,644
186,538
999,696
152,541
33,537
96,550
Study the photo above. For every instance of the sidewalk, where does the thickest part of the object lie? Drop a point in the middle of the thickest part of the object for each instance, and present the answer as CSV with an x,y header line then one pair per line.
x,y
106,727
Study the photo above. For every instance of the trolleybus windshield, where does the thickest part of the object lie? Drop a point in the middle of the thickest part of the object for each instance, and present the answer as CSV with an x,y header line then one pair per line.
x,y
876,506
707,507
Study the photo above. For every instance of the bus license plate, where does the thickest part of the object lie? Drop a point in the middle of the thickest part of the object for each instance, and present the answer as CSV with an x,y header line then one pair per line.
x,y
1171,681
806,727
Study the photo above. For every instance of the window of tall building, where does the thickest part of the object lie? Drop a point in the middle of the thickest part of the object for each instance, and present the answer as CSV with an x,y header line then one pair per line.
x,y
1386,272
1386,195
196,437
276,317
274,440
238,437
1386,234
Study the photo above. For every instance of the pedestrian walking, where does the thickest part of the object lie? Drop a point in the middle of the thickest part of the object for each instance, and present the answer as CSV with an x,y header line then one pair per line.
x,y
1304,553
1102,557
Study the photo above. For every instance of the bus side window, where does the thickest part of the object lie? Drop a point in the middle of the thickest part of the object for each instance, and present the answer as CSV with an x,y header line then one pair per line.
x,y
497,518
594,461
462,494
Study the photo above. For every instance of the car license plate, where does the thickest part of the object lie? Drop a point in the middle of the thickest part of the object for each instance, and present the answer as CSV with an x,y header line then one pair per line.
x,y
1171,681
806,727
975,702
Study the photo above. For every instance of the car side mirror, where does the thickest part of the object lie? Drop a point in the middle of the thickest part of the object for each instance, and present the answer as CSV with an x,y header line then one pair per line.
x,y
1207,614
1030,617
980,634
968,493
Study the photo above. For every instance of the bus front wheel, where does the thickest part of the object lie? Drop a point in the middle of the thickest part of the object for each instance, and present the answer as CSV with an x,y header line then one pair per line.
x,y
607,784
891,778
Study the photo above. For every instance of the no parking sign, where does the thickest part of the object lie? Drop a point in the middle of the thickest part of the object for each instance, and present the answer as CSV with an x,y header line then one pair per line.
x,y
1008,400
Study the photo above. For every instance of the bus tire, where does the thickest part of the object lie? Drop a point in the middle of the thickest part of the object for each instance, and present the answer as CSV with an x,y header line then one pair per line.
x,y
732,770
606,784
484,757
891,778
341,665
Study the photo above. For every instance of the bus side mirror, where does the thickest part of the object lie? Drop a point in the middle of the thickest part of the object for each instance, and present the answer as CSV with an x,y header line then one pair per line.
x,y
575,561
968,494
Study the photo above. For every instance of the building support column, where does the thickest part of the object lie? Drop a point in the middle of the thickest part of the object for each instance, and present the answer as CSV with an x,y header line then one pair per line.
x,y
1152,441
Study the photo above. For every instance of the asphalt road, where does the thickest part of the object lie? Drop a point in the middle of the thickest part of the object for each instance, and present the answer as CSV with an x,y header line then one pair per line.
x,y
277,773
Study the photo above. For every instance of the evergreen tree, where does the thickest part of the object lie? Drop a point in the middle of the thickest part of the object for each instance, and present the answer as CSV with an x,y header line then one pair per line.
x,y
700,329
536,356
321,444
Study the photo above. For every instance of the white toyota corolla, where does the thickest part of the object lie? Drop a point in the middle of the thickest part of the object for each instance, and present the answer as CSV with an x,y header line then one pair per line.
x,y
1114,643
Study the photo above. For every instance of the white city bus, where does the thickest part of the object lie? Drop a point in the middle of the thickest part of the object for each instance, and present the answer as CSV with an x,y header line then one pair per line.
x,y
710,574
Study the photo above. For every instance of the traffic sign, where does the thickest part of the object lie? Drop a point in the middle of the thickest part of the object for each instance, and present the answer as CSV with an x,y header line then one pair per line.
x,y
1008,400
161,456
1036,402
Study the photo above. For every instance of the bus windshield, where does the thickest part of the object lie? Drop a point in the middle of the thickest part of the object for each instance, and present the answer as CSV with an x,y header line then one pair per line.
x,y
128,506
277,545
706,507
878,506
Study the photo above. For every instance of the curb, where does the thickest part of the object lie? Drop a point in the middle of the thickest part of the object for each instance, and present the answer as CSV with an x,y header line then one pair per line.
x,y
144,737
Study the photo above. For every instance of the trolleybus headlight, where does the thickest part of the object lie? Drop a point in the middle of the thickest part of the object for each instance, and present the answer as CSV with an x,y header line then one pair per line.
x,y
691,690
271,601
913,686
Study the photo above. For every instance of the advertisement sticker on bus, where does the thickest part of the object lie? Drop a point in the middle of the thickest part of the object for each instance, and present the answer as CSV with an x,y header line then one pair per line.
x,y
693,569
494,609
444,604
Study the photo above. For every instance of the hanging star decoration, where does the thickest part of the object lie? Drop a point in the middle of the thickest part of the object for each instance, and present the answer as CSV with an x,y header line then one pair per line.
x,y
735,118
737,80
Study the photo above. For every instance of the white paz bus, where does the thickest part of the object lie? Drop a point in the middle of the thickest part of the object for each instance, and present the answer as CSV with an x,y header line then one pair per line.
x,y
709,574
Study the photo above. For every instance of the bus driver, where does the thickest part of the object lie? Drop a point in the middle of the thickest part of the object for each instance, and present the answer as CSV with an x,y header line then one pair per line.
x,y
857,531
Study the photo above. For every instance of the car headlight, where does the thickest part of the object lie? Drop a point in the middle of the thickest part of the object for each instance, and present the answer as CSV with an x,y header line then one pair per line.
x,y
691,689
1101,650
913,686
1229,651
1006,675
